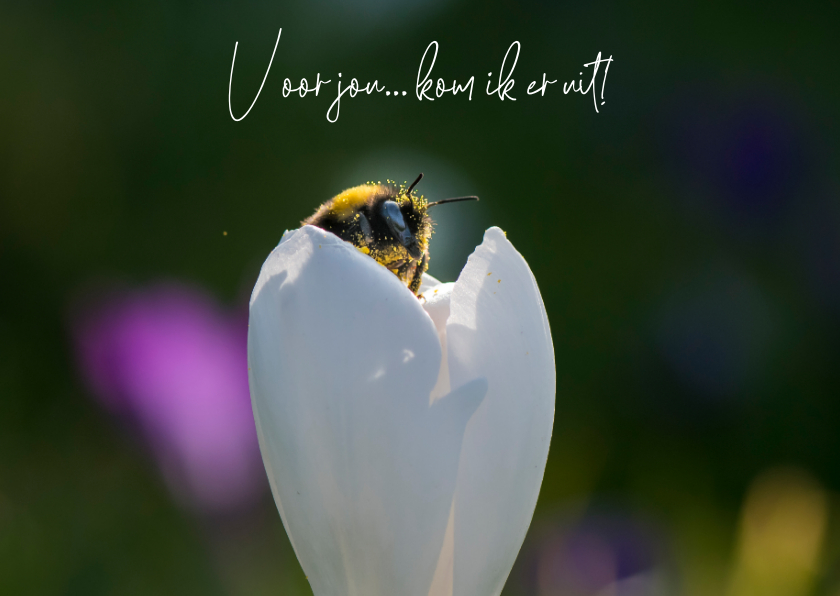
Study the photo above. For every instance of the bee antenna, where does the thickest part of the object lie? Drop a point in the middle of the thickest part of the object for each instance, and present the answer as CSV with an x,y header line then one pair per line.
x,y
453,200
413,184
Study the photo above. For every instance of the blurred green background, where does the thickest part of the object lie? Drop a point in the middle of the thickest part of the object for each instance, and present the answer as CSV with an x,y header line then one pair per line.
x,y
686,241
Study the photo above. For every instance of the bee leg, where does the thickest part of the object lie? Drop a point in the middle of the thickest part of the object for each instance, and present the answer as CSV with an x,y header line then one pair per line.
x,y
364,226
402,270
419,270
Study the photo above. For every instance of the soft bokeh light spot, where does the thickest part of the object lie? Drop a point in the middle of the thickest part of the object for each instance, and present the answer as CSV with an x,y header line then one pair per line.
x,y
783,523
596,553
170,361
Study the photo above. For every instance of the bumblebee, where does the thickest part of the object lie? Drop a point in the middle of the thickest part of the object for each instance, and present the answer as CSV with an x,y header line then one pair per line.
x,y
387,222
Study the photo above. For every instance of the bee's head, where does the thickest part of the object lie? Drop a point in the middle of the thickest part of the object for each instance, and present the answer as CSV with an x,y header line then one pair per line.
x,y
398,216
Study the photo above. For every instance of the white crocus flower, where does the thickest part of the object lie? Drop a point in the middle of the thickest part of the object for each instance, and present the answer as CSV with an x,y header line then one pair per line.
x,y
405,440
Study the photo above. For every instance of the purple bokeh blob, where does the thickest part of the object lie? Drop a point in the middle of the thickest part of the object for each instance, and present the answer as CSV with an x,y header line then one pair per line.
x,y
744,158
170,361
599,553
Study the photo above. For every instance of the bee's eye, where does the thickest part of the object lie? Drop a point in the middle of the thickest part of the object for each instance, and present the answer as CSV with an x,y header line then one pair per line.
x,y
392,213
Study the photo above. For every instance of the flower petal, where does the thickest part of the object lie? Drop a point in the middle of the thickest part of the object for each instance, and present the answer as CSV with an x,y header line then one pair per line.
x,y
342,361
498,330
436,304
427,282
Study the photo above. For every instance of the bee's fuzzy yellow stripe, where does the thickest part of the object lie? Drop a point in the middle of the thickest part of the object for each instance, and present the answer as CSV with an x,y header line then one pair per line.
x,y
351,200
